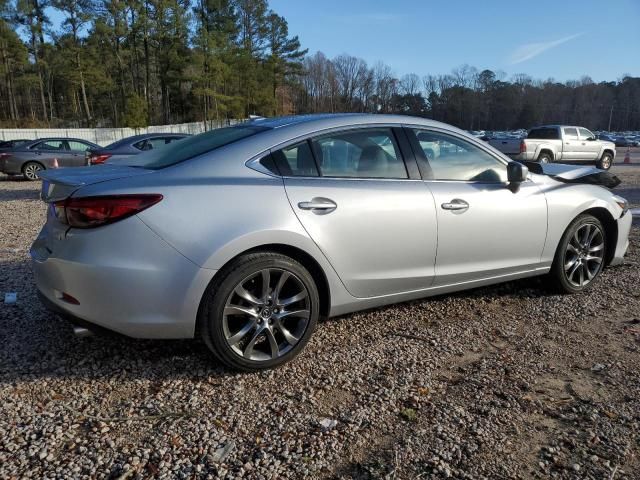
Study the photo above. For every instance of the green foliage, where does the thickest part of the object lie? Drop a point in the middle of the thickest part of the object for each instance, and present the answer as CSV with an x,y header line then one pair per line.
x,y
135,114
142,62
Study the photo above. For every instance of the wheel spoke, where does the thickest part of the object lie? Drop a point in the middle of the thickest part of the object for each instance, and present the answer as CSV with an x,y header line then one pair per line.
x,y
244,293
294,299
572,249
273,343
570,264
288,336
593,235
236,337
591,258
276,291
581,270
238,310
597,248
248,350
294,313
573,270
587,232
266,280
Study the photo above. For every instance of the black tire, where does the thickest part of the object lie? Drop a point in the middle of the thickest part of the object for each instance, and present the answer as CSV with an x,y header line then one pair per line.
x,y
242,272
30,169
559,276
545,157
605,162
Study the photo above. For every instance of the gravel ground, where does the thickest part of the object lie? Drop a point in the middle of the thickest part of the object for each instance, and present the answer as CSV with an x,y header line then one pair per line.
x,y
501,382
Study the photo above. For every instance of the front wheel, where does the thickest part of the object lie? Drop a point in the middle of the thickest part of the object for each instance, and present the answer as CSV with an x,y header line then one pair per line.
x,y
580,255
260,312
605,162
30,170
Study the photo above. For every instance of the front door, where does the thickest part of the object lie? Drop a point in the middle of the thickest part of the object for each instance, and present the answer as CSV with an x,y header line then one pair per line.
x,y
352,194
484,229
570,144
588,147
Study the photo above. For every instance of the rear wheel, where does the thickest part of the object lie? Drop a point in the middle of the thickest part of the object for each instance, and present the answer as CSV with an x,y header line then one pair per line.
x,y
260,312
545,157
579,258
605,162
30,170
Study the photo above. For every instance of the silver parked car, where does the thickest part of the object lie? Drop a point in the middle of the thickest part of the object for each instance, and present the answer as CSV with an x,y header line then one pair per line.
x,y
245,236
31,157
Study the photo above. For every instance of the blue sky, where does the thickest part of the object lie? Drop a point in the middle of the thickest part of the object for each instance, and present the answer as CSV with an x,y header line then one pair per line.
x,y
563,39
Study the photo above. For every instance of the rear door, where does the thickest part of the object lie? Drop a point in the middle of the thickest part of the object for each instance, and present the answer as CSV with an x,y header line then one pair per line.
x,y
53,149
484,229
372,217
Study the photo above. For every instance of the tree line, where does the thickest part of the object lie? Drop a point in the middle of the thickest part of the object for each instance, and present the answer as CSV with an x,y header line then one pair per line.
x,y
140,62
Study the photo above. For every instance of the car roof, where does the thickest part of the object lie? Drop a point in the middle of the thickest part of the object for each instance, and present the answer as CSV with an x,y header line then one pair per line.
x,y
329,120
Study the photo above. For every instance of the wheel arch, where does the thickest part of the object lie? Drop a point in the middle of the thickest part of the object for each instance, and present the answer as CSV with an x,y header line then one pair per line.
x,y
547,151
304,258
609,151
610,227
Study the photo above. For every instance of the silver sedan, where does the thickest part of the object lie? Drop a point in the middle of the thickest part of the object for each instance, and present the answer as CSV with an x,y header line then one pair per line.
x,y
245,236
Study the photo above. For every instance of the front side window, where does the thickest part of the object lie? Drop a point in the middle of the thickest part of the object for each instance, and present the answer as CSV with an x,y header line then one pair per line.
x,y
50,145
570,133
296,161
452,158
584,133
367,153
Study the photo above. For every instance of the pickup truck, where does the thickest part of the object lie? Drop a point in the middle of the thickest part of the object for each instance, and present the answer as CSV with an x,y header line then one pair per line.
x,y
559,143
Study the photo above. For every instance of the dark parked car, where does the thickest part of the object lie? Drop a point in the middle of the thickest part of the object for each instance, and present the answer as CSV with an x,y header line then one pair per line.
x,y
9,144
33,156
624,142
132,146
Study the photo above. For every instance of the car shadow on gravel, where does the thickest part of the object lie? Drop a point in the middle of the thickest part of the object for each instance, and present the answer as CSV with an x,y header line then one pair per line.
x,y
21,194
40,344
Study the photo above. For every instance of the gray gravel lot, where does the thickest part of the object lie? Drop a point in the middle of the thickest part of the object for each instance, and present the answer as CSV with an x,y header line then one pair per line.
x,y
502,382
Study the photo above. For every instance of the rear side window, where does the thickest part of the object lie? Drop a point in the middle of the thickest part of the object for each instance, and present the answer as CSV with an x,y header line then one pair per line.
x,y
50,145
571,133
296,161
544,133
78,146
367,153
191,147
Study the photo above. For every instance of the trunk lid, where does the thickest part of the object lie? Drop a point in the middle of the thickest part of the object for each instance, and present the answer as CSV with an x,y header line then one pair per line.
x,y
58,184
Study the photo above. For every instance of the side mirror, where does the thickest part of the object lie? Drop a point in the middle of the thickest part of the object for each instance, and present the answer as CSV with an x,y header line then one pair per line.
x,y
516,174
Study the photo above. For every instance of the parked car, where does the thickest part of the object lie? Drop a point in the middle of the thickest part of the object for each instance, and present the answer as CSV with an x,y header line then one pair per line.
x,y
244,236
623,142
134,145
559,143
30,158
9,144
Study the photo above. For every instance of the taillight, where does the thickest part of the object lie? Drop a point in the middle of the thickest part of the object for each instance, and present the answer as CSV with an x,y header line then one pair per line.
x,y
90,212
523,147
98,159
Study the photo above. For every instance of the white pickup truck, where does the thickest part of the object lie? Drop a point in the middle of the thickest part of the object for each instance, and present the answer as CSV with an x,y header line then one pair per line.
x,y
559,143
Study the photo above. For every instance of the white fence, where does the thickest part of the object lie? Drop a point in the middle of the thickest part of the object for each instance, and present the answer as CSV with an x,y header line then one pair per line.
x,y
105,136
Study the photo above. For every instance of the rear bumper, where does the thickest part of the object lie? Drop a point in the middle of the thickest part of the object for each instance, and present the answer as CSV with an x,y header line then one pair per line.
x,y
125,278
624,227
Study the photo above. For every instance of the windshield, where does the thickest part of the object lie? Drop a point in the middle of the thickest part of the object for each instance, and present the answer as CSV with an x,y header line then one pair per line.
x,y
187,148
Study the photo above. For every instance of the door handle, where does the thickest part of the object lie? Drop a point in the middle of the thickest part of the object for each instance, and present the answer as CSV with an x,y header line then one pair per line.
x,y
455,204
323,205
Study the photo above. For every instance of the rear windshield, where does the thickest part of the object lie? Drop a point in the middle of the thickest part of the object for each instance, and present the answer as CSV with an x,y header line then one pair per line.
x,y
190,147
544,133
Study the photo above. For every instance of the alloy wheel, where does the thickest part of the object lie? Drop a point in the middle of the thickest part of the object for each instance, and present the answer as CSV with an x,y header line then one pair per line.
x,y
31,171
584,255
266,314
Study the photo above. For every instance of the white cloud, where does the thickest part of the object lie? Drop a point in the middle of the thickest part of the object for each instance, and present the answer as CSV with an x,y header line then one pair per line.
x,y
530,50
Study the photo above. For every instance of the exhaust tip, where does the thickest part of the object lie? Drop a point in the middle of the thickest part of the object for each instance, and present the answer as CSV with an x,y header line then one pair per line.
x,y
81,332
